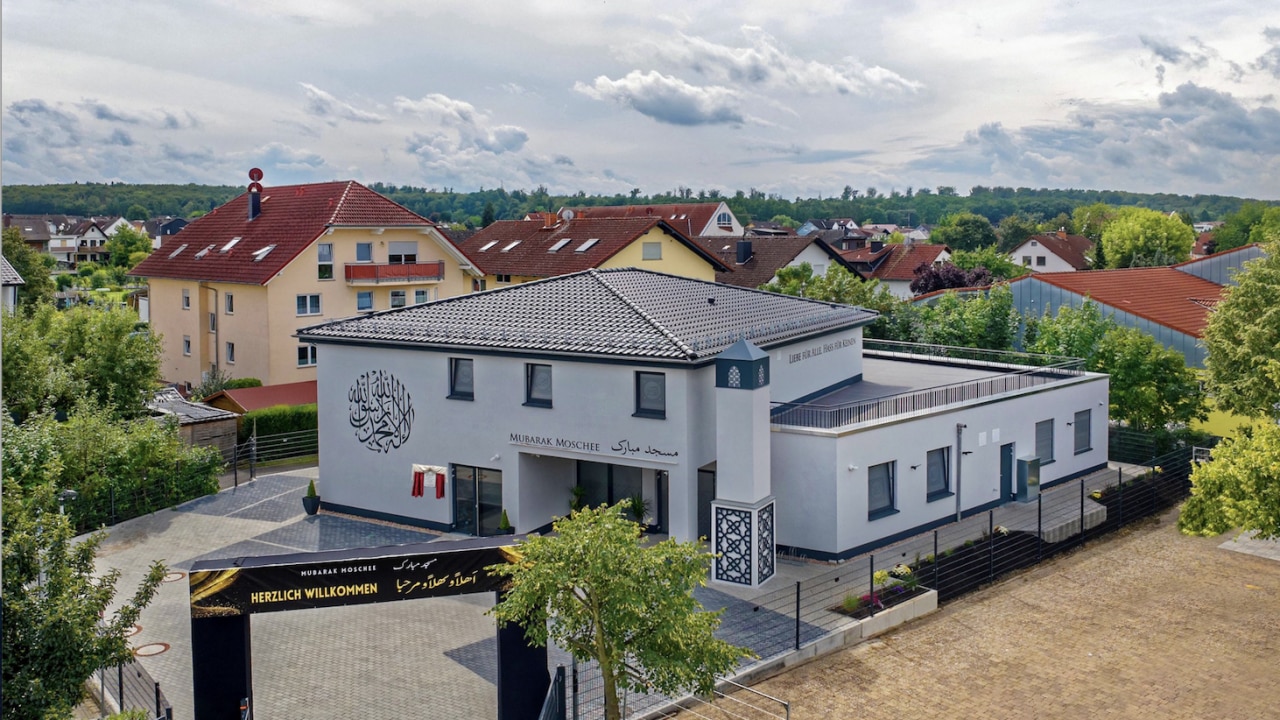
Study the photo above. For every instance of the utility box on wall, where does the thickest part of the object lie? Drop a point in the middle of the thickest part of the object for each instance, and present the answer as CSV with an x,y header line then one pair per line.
x,y
1028,478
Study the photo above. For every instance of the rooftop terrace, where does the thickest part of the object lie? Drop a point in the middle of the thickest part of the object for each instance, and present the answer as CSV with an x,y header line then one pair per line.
x,y
907,378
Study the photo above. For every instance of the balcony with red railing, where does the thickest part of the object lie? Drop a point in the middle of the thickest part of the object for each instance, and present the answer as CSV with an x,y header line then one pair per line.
x,y
387,273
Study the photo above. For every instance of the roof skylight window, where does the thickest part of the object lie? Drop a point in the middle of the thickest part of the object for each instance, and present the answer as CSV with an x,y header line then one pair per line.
x,y
559,244
230,244
508,247
258,255
204,252
587,245
488,245
174,254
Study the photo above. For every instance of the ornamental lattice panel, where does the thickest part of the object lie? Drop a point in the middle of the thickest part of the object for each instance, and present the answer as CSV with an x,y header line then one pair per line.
x,y
733,543
764,542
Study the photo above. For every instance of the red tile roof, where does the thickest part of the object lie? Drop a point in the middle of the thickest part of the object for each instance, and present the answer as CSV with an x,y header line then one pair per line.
x,y
292,217
689,218
1201,246
1163,295
525,247
256,398
1073,249
894,261
768,255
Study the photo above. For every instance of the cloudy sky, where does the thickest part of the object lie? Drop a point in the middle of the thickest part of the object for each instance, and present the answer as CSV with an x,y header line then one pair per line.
x,y
799,98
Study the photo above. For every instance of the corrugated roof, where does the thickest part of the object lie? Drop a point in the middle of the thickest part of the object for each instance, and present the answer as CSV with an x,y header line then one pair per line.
x,y
543,250
170,402
1163,295
623,313
256,398
292,217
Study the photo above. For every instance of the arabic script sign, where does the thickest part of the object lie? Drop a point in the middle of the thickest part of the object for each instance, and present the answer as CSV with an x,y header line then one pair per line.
x,y
380,410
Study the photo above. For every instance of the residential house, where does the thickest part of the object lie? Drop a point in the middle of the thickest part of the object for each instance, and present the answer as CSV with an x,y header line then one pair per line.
x,y
691,219
919,234
895,264
10,280
818,225
38,230
231,289
159,228
757,420
1204,227
767,228
1203,246
754,262
1054,252
882,228
86,241
516,251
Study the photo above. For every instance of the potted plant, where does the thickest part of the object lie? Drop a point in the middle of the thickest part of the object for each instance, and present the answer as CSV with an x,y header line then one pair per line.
x,y
504,525
577,499
637,507
311,501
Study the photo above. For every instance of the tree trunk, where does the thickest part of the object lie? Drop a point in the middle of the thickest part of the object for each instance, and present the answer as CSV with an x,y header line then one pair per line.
x,y
609,680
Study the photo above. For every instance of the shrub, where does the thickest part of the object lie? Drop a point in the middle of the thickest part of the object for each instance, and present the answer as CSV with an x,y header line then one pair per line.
x,y
278,419
237,383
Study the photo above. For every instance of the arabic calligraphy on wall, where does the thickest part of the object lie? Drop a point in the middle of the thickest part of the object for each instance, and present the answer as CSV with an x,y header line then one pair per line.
x,y
380,410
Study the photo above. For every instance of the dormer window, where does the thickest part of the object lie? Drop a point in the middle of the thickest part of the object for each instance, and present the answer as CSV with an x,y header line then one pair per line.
x,y
559,244
724,219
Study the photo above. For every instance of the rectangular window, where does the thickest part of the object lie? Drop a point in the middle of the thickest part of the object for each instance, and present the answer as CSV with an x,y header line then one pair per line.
x,y
306,355
651,251
938,464
364,252
1044,441
402,252
364,301
651,395
461,386
537,385
186,299
324,255
1026,260
397,298
502,278
1083,424
213,322
231,353
880,491
230,300
1039,261
186,345
309,304
420,296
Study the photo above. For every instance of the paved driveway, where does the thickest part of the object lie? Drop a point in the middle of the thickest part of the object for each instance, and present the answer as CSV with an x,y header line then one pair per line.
x,y
430,658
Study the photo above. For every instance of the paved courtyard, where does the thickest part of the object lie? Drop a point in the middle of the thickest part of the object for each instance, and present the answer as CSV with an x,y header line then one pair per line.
x,y
1148,623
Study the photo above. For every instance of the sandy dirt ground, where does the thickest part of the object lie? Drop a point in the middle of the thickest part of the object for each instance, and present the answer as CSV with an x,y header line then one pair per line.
x,y
1144,623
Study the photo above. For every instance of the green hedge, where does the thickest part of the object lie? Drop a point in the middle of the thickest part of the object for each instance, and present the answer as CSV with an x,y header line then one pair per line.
x,y
237,383
278,419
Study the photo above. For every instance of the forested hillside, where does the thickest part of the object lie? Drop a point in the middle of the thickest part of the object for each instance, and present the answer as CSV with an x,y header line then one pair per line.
x,y
907,207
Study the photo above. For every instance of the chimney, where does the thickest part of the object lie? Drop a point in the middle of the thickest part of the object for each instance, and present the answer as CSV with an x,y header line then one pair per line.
x,y
877,246
744,251
255,193
1062,233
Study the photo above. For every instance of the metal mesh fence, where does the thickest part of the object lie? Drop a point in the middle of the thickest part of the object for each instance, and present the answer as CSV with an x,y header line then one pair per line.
x,y
122,688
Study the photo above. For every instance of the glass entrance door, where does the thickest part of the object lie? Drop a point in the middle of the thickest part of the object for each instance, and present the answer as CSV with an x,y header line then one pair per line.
x,y
477,500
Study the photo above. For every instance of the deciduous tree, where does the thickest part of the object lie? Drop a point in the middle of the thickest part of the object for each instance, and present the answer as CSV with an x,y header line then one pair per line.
x,y
1151,385
1239,488
930,278
53,599
989,257
1243,340
964,231
34,267
593,589
125,244
1138,237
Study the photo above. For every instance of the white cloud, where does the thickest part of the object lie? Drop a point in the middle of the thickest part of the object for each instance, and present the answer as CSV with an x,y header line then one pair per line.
x,y
330,109
668,99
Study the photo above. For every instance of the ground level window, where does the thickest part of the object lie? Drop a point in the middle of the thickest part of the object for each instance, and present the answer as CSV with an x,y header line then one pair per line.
x,y
306,355
880,491
1083,426
938,466
1044,441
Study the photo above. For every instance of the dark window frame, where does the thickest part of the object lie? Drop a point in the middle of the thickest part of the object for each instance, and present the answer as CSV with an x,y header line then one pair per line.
x,y
891,508
456,392
932,493
531,371
1087,427
649,412
1040,447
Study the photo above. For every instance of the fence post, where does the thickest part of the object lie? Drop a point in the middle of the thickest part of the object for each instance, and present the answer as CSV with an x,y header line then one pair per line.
x,y
1039,527
159,710
871,563
112,491
936,559
991,545
573,671
253,451
1081,510
797,614
235,463
1120,472
102,691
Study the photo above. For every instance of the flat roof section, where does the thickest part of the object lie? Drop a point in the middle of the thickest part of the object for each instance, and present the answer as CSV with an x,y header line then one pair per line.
x,y
882,377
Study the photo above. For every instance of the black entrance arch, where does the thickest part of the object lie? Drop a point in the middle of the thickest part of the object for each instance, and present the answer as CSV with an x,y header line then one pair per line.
x,y
226,593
